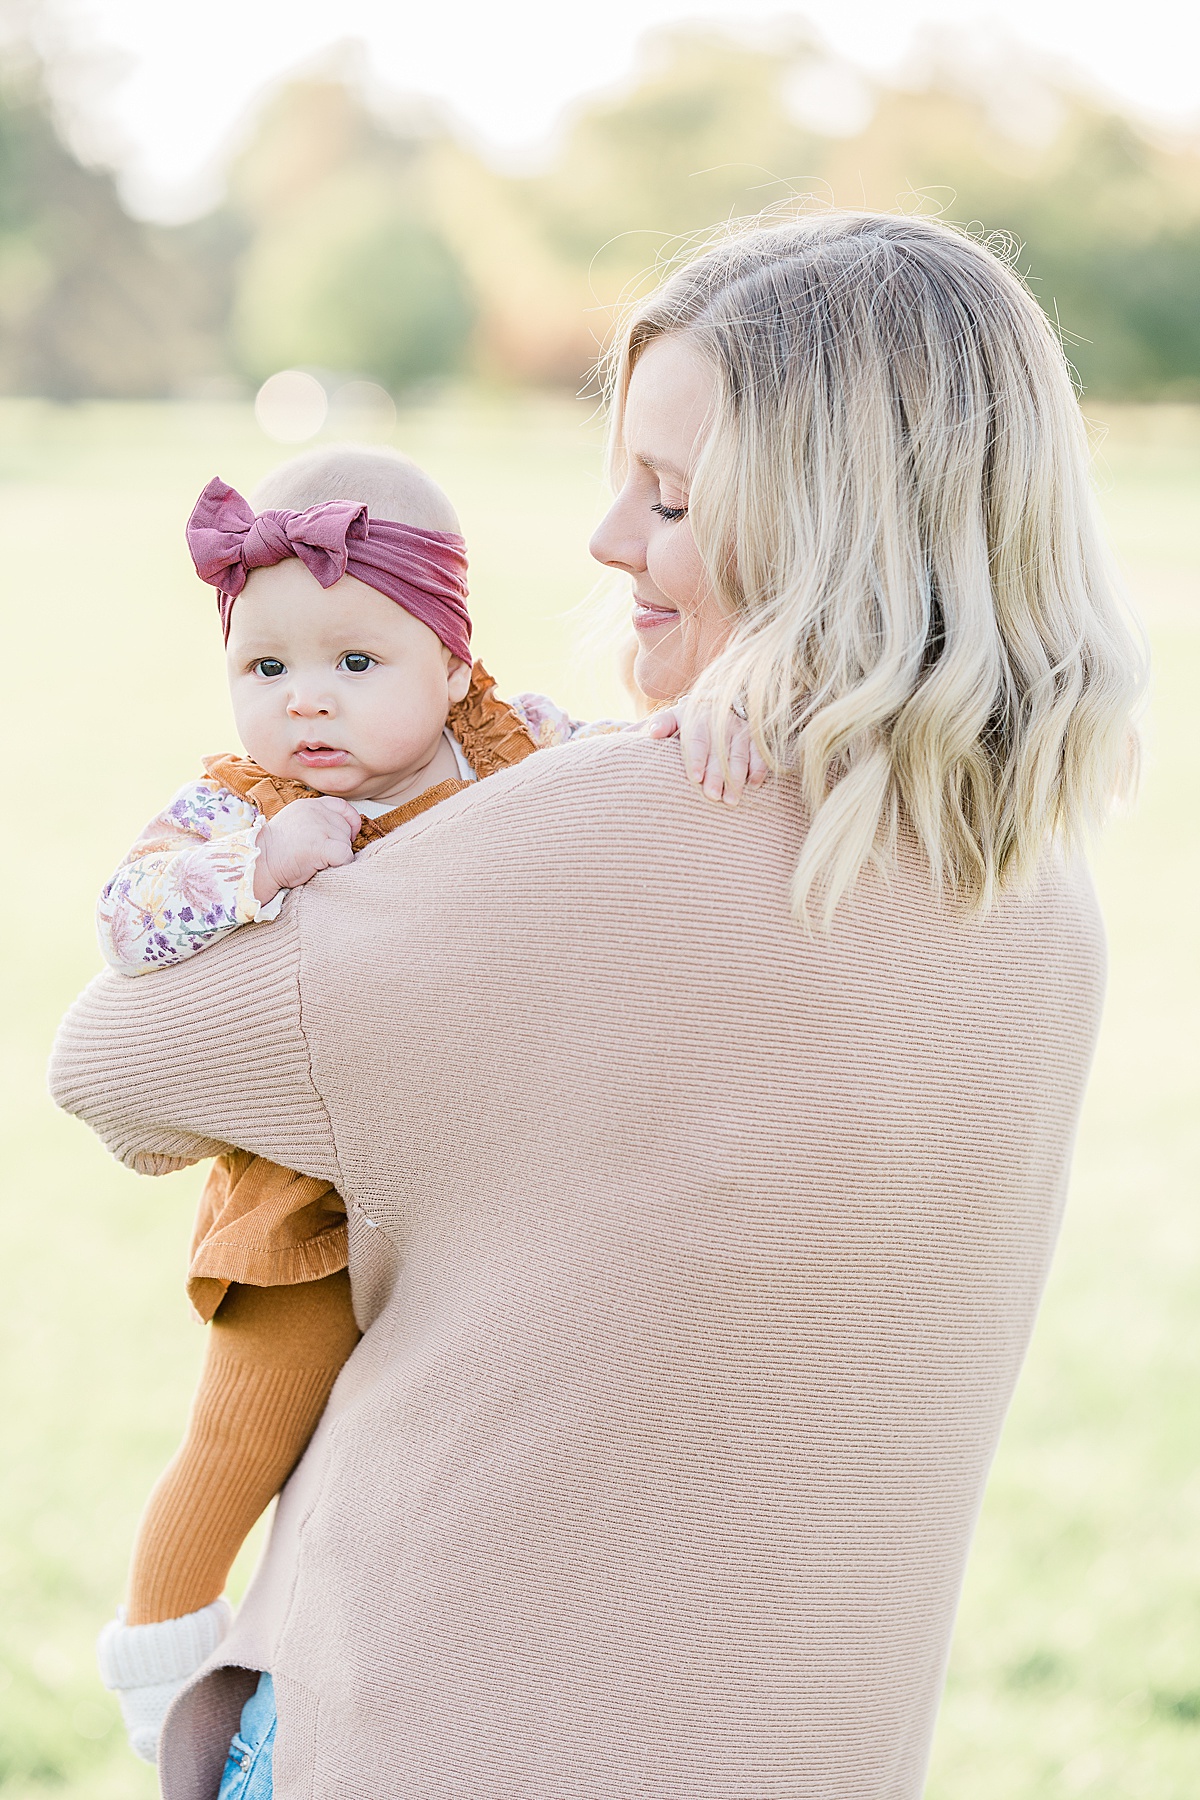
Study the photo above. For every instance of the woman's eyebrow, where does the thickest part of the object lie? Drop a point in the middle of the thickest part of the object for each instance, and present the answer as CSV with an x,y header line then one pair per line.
x,y
660,465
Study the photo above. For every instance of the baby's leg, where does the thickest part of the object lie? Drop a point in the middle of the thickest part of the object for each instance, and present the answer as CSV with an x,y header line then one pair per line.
x,y
273,1356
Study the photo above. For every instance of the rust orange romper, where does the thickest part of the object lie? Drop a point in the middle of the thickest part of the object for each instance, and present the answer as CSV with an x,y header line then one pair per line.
x,y
268,1269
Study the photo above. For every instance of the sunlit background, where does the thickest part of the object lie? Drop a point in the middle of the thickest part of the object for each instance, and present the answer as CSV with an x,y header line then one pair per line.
x,y
233,229
196,198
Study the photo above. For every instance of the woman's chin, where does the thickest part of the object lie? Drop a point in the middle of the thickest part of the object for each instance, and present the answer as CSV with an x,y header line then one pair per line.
x,y
656,676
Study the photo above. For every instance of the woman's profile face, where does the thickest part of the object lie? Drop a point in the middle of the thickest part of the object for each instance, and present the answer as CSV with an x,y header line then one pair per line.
x,y
679,622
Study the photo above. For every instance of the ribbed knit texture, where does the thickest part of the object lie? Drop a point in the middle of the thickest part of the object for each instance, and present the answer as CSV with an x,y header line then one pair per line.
x,y
273,1355
699,1259
272,1062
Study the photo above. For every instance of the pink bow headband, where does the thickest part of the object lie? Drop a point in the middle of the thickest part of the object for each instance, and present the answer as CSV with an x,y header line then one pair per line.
x,y
425,572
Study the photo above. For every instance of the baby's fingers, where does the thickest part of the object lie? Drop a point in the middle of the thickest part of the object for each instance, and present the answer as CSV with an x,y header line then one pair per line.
x,y
344,810
728,785
697,749
664,723
338,852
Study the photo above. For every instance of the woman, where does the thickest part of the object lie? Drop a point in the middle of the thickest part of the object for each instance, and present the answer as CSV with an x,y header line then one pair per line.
x,y
703,1168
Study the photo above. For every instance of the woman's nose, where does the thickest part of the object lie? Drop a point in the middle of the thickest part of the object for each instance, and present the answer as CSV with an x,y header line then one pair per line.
x,y
616,543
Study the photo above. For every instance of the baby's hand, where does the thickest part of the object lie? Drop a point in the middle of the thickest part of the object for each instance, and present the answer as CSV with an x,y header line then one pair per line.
x,y
700,759
307,836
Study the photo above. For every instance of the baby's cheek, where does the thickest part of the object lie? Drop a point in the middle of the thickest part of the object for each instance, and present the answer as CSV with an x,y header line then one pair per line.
x,y
406,718
256,725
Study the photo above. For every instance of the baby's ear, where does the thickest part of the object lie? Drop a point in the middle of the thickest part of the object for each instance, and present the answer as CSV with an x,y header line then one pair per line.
x,y
458,679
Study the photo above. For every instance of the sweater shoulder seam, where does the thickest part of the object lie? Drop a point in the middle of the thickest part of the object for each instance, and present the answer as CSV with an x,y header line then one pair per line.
x,y
301,958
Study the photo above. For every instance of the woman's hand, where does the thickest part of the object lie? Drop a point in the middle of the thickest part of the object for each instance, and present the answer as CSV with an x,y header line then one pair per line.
x,y
307,836
701,761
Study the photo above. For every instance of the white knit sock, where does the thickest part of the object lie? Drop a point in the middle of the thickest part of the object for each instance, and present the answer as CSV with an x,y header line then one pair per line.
x,y
148,1664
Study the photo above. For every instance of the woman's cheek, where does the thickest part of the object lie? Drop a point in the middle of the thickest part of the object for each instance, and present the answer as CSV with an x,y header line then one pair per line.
x,y
676,570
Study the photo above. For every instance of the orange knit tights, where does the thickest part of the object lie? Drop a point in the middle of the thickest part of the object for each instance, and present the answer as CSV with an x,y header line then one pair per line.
x,y
273,1355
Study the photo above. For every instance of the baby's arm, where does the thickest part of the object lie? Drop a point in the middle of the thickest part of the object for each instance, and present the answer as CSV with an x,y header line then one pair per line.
x,y
209,863
273,1356
185,883
548,724
720,778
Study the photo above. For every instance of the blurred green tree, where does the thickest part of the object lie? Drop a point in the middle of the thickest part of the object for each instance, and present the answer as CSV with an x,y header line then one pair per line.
x,y
91,301
346,267
1104,219
704,134
384,246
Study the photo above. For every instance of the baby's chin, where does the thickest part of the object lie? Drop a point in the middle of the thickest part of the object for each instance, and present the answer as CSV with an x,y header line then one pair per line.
x,y
342,774
353,788
324,773
350,783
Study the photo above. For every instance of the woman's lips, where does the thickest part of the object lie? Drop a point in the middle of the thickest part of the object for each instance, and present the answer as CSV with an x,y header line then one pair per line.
x,y
649,618
321,756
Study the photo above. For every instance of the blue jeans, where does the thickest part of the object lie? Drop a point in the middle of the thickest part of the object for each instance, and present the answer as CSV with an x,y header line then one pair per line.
x,y
248,1767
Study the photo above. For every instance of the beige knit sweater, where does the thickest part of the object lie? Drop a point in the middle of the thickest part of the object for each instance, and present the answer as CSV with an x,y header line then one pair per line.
x,y
697,1261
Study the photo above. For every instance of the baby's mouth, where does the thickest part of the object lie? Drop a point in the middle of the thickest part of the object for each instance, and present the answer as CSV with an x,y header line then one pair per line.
x,y
321,756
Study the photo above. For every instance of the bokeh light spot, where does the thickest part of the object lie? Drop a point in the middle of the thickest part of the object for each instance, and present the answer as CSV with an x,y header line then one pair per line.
x,y
291,406
362,409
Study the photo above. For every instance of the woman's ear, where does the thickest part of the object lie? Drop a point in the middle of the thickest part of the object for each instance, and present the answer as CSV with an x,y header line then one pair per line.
x,y
458,679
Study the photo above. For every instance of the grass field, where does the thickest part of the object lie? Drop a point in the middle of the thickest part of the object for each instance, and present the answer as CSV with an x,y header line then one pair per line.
x,y
1076,1668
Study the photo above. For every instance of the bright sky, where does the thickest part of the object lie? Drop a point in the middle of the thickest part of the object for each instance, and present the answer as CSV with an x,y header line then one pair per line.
x,y
179,78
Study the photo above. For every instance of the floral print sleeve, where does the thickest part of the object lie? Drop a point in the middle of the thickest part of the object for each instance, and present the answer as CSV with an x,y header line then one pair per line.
x,y
548,724
187,881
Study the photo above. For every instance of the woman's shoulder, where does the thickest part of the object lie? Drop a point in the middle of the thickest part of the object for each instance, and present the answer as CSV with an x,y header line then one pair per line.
x,y
593,784
611,754
1062,905
615,809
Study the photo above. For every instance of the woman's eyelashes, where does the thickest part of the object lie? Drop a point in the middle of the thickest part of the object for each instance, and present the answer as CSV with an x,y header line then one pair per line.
x,y
669,513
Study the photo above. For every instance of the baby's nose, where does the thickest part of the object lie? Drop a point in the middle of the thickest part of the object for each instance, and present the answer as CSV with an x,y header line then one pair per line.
x,y
306,705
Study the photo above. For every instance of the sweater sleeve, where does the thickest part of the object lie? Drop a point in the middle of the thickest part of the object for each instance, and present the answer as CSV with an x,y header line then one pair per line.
x,y
208,1055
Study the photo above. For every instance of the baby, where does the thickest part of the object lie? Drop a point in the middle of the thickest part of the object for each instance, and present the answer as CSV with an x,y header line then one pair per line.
x,y
344,606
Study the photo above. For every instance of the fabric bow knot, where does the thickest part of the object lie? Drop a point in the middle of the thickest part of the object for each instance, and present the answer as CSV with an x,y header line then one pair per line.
x,y
227,538
425,572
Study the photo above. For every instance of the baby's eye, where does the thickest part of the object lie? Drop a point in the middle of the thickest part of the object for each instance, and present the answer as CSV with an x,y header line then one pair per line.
x,y
268,667
356,662
669,513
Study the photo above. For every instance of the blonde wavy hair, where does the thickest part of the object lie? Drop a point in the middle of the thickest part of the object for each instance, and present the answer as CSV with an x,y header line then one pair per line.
x,y
894,504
